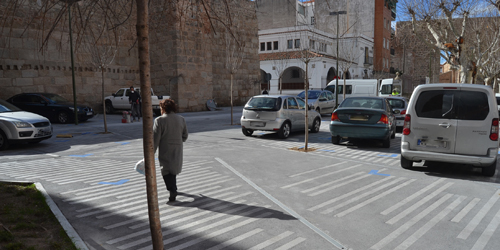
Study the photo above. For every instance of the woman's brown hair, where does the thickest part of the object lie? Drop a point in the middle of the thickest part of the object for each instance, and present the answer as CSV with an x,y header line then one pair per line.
x,y
168,105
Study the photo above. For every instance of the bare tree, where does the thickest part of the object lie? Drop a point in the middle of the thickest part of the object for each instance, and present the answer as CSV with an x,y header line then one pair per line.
x,y
281,61
234,57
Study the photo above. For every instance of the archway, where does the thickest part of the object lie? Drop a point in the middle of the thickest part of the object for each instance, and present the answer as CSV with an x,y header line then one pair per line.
x,y
264,83
293,78
331,75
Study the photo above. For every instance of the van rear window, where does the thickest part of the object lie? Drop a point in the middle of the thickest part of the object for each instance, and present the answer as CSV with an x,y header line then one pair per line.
x,y
453,104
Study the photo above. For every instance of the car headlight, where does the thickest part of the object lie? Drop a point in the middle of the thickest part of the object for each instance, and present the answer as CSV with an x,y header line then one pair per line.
x,y
22,124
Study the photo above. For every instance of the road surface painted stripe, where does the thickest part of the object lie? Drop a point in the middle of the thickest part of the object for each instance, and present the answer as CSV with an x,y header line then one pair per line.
x,y
236,239
479,216
291,244
420,203
288,210
349,194
430,224
465,210
487,233
314,170
338,185
359,197
403,228
271,241
412,197
321,176
375,198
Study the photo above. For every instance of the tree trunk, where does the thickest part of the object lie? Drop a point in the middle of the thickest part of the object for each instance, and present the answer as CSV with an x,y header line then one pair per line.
x,y
103,102
231,91
147,123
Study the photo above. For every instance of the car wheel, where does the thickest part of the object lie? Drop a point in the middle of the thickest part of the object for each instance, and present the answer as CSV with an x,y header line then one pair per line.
x,y
109,107
336,140
393,135
4,143
405,163
386,143
63,117
284,131
316,125
489,170
247,132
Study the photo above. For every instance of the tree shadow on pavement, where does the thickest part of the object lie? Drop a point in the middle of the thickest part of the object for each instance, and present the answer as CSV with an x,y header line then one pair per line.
x,y
227,207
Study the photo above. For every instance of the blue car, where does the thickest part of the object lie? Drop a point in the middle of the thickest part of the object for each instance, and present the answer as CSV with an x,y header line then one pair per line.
x,y
364,118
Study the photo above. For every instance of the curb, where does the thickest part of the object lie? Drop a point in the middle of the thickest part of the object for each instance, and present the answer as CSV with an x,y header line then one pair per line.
x,y
62,220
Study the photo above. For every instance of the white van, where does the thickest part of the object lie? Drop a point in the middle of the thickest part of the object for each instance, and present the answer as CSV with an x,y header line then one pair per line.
x,y
354,87
453,123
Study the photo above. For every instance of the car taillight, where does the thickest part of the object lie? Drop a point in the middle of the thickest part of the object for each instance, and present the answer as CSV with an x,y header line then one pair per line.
x,y
494,130
406,125
383,119
335,117
403,112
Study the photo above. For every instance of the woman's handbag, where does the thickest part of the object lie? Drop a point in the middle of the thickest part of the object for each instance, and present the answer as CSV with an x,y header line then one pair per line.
x,y
140,167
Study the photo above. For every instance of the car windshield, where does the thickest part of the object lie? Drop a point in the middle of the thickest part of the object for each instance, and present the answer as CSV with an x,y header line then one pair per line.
x,y
371,103
7,107
55,98
397,103
311,94
263,103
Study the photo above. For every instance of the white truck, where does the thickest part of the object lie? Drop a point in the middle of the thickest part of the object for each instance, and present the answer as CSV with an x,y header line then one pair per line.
x,y
119,100
365,87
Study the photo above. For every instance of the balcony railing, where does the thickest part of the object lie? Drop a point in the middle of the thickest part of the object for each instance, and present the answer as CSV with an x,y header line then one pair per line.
x,y
393,14
368,60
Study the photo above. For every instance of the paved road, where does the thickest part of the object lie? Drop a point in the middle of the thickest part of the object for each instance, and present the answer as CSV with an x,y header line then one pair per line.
x,y
258,192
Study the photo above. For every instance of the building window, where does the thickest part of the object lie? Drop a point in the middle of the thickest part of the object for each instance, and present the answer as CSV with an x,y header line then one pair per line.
x,y
290,44
385,23
269,46
313,21
295,73
383,44
311,44
275,45
297,43
262,46
302,10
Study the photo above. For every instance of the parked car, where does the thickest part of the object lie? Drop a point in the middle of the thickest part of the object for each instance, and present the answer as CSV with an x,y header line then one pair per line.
x,y
323,101
280,113
52,106
398,105
497,96
453,123
119,100
363,118
17,126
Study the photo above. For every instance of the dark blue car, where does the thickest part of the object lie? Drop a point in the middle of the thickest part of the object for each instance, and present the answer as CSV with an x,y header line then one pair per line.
x,y
52,106
363,118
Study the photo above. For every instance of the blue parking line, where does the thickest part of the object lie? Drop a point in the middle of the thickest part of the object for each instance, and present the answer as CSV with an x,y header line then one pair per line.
x,y
86,133
61,141
393,155
123,143
326,150
120,182
81,155
375,172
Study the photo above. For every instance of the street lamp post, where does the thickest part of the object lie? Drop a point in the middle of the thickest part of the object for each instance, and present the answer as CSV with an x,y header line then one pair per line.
x,y
337,13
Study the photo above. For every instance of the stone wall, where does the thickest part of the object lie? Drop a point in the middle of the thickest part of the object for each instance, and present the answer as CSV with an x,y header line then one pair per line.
x,y
185,63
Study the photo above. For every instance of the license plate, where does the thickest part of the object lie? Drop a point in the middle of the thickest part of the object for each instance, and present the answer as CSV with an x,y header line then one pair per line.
x,y
257,124
42,132
89,113
358,118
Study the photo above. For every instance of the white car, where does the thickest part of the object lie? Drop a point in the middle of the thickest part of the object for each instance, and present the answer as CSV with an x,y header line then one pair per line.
x,y
279,113
18,126
453,123
323,101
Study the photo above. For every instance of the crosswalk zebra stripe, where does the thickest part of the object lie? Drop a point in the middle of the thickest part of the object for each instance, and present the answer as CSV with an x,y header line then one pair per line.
x,y
420,203
403,228
411,197
322,176
364,203
479,216
328,184
326,203
465,210
430,224
236,239
324,190
291,244
271,241
317,169
356,198
487,233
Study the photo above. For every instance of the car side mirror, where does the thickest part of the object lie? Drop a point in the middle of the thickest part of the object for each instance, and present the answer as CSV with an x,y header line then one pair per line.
x,y
114,95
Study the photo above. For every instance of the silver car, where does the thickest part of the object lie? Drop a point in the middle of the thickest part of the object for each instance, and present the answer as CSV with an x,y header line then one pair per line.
x,y
18,126
323,101
279,113
398,105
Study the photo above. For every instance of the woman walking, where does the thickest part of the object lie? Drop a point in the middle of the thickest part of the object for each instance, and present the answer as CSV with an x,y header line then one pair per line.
x,y
170,132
